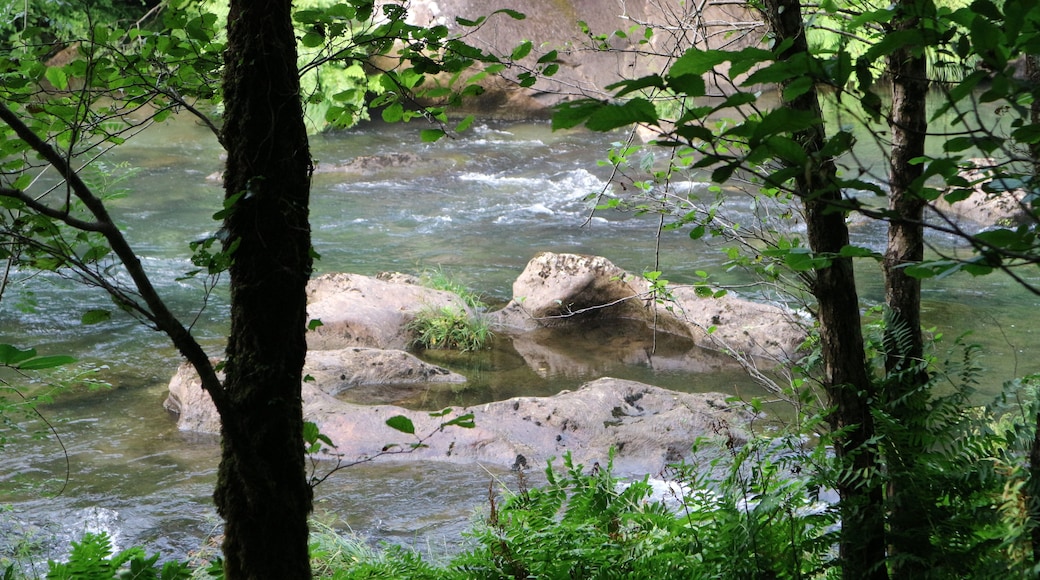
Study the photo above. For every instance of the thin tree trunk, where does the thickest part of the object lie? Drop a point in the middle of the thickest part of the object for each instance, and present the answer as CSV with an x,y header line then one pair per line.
x,y
1033,77
262,491
904,344
846,377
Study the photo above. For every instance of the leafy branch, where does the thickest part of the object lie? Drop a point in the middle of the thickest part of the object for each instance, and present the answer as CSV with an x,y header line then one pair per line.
x,y
318,442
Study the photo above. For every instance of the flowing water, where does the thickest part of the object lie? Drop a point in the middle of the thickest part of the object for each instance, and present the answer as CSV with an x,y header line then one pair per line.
x,y
478,208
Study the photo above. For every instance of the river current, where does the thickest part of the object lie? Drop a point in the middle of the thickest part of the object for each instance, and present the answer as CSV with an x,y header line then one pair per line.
x,y
477,207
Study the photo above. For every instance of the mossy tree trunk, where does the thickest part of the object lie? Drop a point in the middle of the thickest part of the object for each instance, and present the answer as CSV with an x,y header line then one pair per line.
x,y
262,491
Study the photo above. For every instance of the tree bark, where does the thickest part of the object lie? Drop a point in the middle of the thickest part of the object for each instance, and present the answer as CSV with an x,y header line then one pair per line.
x,y
1033,78
262,491
845,377
906,376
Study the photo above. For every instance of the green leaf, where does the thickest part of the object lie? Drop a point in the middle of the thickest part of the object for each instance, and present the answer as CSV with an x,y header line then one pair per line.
x,y
688,85
522,50
431,135
464,421
858,252
838,144
402,424
314,324
784,121
570,114
95,316
697,62
312,40
628,86
891,42
775,73
310,432
985,35
511,13
393,113
464,124
787,149
550,56
612,116
798,87
1008,239
45,362
56,76
12,355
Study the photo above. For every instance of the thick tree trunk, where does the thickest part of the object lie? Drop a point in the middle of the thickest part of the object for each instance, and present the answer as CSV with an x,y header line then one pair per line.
x,y
846,377
904,344
262,491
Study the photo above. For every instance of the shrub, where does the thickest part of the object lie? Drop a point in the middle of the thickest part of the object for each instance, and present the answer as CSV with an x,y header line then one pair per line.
x,y
450,327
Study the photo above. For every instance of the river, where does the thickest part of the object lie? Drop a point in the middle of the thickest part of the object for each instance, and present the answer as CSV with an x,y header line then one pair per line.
x,y
478,208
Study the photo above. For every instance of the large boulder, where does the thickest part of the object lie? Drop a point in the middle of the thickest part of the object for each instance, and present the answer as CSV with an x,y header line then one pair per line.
x,y
558,289
649,427
362,311
990,202
328,373
582,70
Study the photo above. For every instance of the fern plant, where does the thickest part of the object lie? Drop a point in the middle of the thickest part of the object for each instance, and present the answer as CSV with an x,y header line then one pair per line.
x,y
92,559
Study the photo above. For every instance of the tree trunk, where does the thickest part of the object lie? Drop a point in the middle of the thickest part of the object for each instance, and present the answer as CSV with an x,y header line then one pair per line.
x,y
262,491
1033,78
846,377
906,376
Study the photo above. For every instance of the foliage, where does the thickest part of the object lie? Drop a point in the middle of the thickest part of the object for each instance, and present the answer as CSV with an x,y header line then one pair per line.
x,y
352,56
92,559
894,430
742,137
438,279
63,21
754,521
830,31
450,327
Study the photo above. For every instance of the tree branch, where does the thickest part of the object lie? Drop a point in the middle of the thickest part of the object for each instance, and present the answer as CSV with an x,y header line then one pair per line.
x,y
164,319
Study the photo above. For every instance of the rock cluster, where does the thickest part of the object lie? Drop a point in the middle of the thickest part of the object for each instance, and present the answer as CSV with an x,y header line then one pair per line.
x,y
365,326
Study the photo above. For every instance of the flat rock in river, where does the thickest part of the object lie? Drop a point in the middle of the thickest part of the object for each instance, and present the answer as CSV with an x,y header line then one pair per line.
x,y
648,426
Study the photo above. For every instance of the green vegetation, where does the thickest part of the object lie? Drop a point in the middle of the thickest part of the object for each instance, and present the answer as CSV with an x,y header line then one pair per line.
x,y
928,485
438,279
92,558
450,327
763,508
